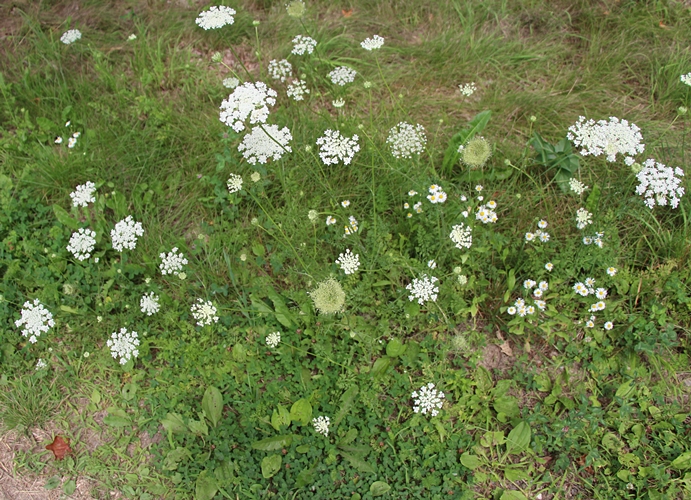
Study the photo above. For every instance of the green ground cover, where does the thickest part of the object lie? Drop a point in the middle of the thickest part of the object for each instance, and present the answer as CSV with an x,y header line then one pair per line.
x,y
516,322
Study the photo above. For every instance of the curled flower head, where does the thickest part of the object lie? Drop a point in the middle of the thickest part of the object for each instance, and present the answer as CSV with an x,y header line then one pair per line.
x,y
328,297
476,152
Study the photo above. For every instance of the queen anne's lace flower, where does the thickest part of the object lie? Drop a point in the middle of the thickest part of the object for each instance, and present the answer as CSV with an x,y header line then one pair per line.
x,y
406,140
423,289
82,243
660,184
216,17
462,236
249,100
577,186
83,194
349,262
36,319
123,344
40,364
297,90
686,79
427,400
376,42
328,297
303,44
172,262
583,218
280,70
125,234
273,339
234,183
231,82
467,89
321,425
149,304
342,75
607,137
204,312
335,148
264,143
70,36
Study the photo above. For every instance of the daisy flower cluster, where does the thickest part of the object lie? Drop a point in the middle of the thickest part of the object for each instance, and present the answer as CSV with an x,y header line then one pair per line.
x,y
83,194
423,289
417,207
35,320
125,234
303,45
216,17
172,262
376,42
351,227
577,186
406,140
427,400
610,138
264,143
297,90
70,36
594,240
321,425
660,184
330,221
123,344
204,312
342,75
249,100
71,142
273,339
461,235
349,262
539,234
280,70
486,214
149,304
82,243
538,292
335,148
436,194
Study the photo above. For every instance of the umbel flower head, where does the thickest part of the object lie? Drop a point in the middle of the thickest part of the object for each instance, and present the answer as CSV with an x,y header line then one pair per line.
x,y
476,152
124,344
342,75
264,143
82,243
303,44
423,289
83,194
249,100
36,319
406,140
125,234
216,17
334,147
376,42
428,400
328,297
659,183
296,9
70,36
607,137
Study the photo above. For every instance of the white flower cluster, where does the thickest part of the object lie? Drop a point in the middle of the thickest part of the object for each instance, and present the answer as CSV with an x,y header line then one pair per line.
x,y
352,226
36,319
486,214
607,137
330,221
583,218
82,243
597,240
376,42
338,103
686,79
587,288
273,339
297,90
462,236
423,289
264,143
70,36
342,75
577,186
83,194
249,100
611,271
72,141
125,234
280,70
123,344
234,183
303,44
231,82
204,312
659,183
216,17
149,304
436,194
40,364
539,234
467,89
321,425
427,400
519,307
349,261
172,262
335,148
406,140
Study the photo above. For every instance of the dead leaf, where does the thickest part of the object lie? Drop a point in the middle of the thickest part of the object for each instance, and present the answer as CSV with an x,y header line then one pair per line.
x,y
663,25
60,447
506,349
347,13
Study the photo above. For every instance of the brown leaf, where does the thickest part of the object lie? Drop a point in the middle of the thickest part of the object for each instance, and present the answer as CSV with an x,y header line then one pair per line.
x,y
60,447
347,13
506,349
